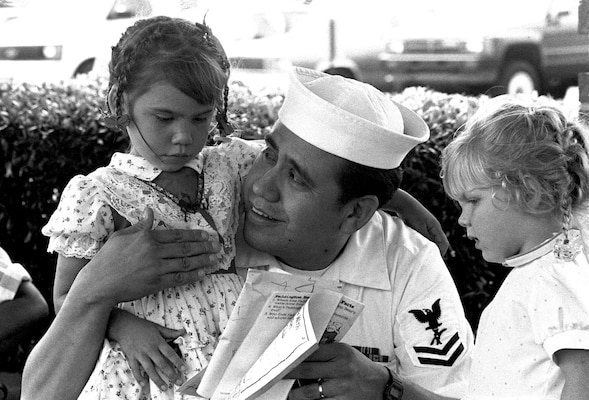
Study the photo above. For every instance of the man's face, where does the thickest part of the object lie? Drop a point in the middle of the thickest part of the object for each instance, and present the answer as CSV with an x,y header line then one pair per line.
x,y
291,202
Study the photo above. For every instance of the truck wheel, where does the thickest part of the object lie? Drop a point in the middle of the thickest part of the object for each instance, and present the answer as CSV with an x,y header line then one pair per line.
x,y
521,78
84,68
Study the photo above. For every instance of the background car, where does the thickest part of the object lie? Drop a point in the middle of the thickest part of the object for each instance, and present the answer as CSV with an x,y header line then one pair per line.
x,y
9,9
55,40
520,46
341,37
52,40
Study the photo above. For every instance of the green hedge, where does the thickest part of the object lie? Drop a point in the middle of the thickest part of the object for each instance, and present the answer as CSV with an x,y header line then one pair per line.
x,y
51,132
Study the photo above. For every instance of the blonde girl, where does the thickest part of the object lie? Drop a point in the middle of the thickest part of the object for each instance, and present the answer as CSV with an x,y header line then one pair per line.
x,y
519,172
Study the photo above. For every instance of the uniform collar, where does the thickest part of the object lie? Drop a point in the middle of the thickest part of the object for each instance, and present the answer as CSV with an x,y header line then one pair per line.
x,y
539,251
140,168
366,251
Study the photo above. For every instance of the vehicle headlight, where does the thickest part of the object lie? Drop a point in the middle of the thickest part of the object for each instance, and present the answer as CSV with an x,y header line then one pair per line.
x,y
30,53
475,45
396,46
52,52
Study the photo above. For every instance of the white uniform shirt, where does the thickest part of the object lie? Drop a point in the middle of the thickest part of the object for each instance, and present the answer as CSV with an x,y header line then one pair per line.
x,y
413,317
11,276
542,307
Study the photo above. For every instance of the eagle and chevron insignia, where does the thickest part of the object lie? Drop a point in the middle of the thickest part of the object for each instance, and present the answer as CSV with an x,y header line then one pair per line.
x,y
434,354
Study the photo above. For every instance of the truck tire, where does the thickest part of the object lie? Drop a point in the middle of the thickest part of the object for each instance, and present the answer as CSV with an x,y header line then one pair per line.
x,y
519,77
84,68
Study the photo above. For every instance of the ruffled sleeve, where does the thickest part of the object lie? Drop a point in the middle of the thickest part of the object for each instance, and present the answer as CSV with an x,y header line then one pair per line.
x,y
242,152
82,222
559,307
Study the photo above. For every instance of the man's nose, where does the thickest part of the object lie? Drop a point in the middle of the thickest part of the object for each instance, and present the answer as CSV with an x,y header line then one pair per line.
x,y
266,185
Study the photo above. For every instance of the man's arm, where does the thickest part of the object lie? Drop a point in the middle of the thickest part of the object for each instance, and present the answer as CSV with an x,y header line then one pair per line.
x,y
134,262
73,342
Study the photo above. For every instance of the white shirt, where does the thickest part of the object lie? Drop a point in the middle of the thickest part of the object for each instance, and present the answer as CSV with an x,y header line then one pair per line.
x,y
542,307
11,276
397,274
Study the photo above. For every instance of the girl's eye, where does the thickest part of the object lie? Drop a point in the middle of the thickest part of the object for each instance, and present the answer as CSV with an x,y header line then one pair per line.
x,y
463,202
164,118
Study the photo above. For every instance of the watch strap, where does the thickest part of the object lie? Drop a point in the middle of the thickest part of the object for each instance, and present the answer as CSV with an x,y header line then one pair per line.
x,y
394,388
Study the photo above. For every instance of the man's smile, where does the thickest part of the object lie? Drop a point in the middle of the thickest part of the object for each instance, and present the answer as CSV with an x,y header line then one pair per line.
x,y
260,213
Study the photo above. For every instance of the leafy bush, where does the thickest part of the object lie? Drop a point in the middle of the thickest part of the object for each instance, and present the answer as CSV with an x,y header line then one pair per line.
x,y
50,133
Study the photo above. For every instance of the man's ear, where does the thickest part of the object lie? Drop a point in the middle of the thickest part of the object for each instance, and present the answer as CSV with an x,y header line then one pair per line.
x,y
359,211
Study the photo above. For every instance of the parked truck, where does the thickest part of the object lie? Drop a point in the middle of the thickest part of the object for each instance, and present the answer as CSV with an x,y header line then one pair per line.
x,y
502,46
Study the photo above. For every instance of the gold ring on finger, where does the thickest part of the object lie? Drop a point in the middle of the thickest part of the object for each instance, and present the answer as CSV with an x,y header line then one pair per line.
x,y
320,388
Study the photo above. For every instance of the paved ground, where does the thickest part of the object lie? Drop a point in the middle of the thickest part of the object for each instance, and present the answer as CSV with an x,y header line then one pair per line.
x,y
12,381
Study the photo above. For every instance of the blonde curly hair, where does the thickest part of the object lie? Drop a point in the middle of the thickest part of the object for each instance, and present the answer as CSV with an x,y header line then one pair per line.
x,y
527,148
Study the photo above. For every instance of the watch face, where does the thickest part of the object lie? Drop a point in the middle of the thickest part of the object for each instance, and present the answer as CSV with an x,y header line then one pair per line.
x,y
395,392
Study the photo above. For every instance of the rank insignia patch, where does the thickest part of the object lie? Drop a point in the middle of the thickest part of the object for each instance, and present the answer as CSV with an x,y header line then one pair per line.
x,y
431,337
431,318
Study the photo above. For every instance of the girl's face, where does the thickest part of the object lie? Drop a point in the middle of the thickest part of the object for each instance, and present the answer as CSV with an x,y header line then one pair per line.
x,y
168,128
499,229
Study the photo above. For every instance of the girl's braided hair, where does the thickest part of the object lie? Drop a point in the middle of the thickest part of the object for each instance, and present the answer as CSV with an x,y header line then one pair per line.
x,y
174,50
531,150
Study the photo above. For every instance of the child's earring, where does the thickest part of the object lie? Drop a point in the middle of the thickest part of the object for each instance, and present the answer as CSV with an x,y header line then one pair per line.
x,y
567,247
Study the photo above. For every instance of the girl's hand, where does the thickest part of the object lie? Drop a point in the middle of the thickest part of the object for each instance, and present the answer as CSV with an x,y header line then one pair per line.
x,y
574,364
147,348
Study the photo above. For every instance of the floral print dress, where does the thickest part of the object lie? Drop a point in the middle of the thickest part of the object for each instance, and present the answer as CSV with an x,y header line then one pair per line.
x,y
84,220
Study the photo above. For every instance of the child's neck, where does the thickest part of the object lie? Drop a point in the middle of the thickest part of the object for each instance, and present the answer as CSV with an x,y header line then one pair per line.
x,y
538,232
182,183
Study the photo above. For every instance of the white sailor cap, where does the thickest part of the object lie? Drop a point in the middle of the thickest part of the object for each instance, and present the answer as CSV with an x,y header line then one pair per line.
x,y
350,119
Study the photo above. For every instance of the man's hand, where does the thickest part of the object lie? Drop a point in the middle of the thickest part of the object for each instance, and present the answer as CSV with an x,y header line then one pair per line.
x,y
426,224
147,348
138,261
415,215
345,372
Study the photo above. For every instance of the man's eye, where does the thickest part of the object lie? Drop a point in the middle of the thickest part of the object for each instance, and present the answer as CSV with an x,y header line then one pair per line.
x,y
269,154
164,118
296,178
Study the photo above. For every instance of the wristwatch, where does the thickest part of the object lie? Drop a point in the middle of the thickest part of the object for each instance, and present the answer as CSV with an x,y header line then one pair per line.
x,y
394,388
